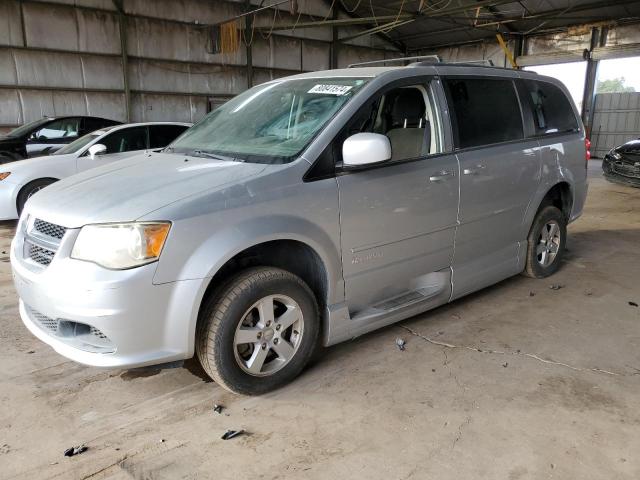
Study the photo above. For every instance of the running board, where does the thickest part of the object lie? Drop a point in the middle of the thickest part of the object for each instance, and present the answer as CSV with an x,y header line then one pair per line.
x,y
341,326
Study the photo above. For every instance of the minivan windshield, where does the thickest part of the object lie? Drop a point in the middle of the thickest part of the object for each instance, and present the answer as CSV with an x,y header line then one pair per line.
x,y
271,123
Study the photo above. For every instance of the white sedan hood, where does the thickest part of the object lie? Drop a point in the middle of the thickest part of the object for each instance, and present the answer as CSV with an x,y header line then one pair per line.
x,y
129,189
49,166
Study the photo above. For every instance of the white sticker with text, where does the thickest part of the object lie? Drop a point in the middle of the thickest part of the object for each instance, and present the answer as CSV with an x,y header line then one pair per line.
x,y
330,89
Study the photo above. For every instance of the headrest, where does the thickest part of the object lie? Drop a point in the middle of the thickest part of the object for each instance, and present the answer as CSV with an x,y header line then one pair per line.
x,y
409,105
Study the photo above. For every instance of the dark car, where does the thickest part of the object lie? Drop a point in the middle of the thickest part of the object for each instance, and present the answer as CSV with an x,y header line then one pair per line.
x,y
46,135
622,164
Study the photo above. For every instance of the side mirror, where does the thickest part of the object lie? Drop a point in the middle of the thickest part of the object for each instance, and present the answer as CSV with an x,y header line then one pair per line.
x,y
365,149
97,149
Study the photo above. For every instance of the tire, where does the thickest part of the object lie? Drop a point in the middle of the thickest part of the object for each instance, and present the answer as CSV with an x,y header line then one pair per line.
x,y
546,242
29,189
244,302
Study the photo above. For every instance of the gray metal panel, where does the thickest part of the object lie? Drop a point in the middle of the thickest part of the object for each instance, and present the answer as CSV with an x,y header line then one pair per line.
x,y
106,105
616,121
10,25
98,32
44,25
38,68
10,113
152,107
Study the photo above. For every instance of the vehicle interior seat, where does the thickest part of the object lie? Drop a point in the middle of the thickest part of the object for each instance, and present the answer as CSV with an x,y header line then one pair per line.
x,y
409,131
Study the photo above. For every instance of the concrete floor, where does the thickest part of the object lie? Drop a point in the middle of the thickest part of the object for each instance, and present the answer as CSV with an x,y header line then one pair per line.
x,y
518,381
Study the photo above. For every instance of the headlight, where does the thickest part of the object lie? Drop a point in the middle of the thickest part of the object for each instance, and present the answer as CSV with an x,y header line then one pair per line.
x,y
615,155
4,175
121,245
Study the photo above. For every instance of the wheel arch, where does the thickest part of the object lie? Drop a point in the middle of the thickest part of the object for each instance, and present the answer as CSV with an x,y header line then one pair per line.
x,y
30,182
292,255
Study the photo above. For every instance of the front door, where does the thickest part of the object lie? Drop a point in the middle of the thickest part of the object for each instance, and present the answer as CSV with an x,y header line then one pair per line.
x,y
398,220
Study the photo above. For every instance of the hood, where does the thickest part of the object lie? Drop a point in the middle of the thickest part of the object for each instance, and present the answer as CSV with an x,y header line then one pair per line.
x,y
40,167
630,147
127,190
7,139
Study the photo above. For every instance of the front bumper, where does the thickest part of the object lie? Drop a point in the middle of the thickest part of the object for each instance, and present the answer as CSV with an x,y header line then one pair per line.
x,y
8,195
111,318
620,172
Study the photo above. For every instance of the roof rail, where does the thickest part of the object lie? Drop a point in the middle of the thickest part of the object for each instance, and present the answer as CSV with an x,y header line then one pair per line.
x,y
433,58
487,62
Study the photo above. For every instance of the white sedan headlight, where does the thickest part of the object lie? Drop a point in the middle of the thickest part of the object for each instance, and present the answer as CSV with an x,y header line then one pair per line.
x,y
121,245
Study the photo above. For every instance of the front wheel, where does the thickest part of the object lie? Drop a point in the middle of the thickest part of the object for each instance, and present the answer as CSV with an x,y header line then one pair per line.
x,y
259,332
546,243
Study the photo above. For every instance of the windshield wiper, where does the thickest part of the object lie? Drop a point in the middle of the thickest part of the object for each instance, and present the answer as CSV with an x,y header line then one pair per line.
x,y
202,153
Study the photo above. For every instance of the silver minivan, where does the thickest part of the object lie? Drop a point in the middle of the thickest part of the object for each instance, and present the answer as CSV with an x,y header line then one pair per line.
x,y
302,213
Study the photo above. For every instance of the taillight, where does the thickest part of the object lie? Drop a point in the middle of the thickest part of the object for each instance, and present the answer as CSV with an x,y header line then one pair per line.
x,y
587,144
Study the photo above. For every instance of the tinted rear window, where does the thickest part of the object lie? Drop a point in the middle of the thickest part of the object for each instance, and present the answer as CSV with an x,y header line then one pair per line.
x,y
550,107
484,111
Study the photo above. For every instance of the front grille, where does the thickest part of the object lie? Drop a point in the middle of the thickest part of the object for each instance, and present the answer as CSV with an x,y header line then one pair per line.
x,y
42,240
46,323
49,229
80,335
40,255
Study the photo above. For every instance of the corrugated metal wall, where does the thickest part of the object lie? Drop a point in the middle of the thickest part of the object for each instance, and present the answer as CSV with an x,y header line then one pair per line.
x,y
616,121
64,56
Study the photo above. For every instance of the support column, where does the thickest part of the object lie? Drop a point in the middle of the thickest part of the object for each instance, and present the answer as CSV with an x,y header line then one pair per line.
x,y
248,37
333,61
122,24
598,38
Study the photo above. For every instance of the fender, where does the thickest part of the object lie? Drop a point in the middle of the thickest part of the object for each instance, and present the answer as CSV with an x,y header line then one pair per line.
x,y
553,174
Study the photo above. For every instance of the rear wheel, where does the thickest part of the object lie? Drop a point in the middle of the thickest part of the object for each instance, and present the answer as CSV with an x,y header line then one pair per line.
x,y
546,243
29,190
259,332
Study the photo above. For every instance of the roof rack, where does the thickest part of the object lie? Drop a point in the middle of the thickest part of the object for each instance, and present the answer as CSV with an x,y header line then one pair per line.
x,y
433,58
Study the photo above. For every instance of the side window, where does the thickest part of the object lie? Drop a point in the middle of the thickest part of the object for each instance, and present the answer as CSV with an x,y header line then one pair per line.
x,y
162,135
550,107
64,128
126,140
484,111
406,115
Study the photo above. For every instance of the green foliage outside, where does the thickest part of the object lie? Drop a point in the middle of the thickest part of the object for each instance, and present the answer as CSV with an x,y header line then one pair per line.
x,y
615,85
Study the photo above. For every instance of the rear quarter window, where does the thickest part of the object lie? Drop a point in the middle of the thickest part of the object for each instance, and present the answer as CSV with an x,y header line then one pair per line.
x,y
550,108
485,111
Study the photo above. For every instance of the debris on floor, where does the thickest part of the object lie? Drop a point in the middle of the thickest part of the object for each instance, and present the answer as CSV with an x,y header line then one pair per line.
x,y
218,408
633,304
505,365
72,451
400,342
532,294
229,434
556,286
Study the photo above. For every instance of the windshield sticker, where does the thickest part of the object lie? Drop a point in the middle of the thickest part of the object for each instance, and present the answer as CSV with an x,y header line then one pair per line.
x,y
330,89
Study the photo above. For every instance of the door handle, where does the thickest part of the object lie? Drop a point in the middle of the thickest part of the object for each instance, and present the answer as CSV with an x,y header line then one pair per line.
x,y
473,171
441,175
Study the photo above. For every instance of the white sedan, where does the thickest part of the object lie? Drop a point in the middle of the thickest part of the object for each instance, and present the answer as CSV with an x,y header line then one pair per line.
x,y
19,180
